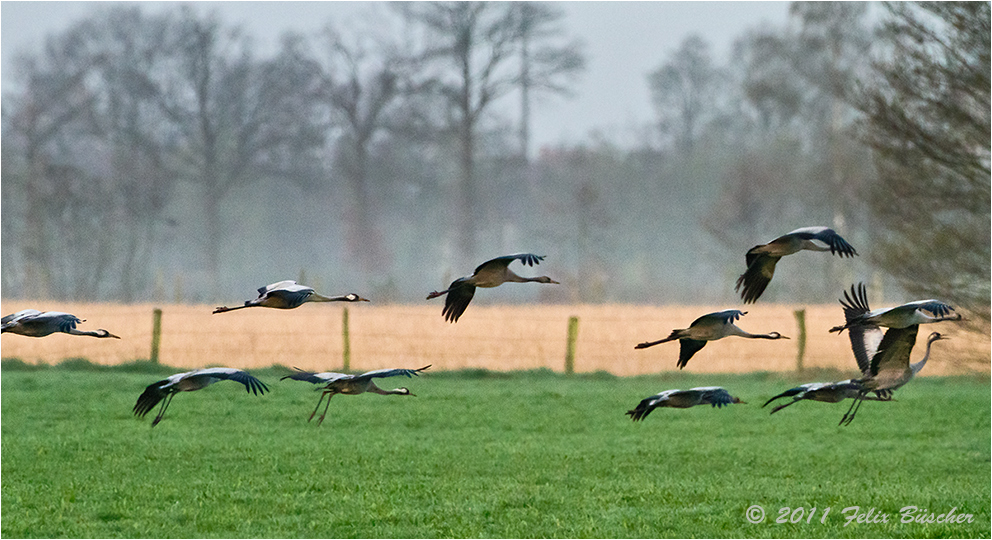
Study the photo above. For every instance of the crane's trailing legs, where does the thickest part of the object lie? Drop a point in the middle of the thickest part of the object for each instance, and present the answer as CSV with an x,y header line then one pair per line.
x,y
849,415
329,395
161,412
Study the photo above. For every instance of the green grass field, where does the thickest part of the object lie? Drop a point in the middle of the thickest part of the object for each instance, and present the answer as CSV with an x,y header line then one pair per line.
x,y
481,454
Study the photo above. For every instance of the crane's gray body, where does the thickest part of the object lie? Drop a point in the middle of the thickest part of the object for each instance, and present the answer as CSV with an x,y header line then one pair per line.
x,y
683,399
826,392
884,363
289,295
709,327
343,383
489,274
190,381
34,323
857,312
761,259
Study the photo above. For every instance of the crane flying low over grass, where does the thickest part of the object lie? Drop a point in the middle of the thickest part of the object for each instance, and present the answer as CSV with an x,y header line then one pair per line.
x,y
342,383
288,295
904,316
833,392
761,259
865,340
890,367
709,327
683,399
189,381
883,359
34,323
491,273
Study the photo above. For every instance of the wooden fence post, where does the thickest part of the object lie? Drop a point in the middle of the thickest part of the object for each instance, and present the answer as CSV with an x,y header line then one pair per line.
x,y
801,341
573,334
347,341
156,333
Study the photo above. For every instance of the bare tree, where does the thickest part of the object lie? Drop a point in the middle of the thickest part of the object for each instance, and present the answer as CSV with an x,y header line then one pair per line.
x,y
546,65
476,44
684,92
796,159
476,39
832,46
40,120
928,121
133,137
366,80
239,119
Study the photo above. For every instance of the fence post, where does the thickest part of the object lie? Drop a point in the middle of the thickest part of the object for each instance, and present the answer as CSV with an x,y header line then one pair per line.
x,y
347,341
573,333
801,341
156,333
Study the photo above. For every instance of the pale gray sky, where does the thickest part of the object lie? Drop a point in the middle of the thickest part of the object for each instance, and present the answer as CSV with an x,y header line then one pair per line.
x,y
624,42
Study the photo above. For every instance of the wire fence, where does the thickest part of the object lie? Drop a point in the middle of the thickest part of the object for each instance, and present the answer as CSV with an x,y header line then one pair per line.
x,y
495,337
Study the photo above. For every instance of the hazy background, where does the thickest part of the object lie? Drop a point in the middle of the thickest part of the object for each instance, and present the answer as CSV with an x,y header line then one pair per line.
x,y
624,41
194,152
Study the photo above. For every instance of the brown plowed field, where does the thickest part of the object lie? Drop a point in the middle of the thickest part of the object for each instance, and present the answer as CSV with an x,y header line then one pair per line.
x,y
502,338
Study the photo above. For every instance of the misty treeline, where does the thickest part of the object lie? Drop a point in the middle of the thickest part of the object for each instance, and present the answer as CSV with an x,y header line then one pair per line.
x,y
162,156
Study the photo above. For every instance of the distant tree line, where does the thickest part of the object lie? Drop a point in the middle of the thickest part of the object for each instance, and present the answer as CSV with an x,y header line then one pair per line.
x,y
145,153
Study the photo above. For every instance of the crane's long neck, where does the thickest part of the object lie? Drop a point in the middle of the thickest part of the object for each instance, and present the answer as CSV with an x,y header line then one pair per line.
x,y
99,333
395,391
514,278
919,365
314,297
736,331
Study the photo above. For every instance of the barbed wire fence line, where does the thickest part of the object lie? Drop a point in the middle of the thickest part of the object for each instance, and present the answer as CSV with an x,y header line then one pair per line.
x,y
494,337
